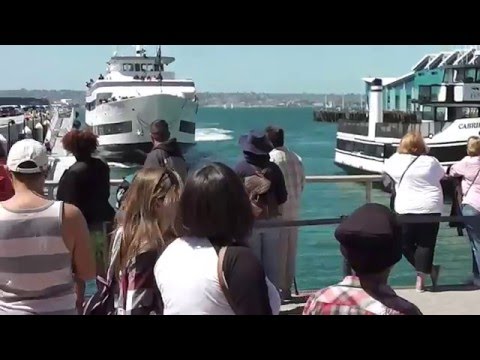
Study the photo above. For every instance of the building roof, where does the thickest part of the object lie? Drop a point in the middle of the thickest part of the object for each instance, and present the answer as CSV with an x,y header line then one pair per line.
x,y
468,55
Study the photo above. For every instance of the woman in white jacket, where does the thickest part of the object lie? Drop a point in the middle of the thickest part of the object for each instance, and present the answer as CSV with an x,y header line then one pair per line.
x,y
419,193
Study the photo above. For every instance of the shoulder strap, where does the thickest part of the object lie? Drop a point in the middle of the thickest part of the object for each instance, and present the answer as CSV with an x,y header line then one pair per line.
x,y
221,277
408,167
473,182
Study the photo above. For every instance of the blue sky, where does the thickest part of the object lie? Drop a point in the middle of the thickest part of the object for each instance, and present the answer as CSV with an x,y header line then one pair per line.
x,y
227,68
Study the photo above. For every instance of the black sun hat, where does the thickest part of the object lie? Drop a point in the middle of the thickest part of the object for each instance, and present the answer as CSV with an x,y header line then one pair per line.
x,y
370,239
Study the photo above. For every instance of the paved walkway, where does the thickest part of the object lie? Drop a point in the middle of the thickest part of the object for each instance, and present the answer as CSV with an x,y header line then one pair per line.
x,y
447,300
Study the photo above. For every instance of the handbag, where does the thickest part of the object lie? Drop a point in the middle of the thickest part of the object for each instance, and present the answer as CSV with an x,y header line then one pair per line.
x,y
388,181
103,301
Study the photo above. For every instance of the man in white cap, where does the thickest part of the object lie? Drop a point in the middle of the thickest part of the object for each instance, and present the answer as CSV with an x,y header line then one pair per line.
x,y
44,244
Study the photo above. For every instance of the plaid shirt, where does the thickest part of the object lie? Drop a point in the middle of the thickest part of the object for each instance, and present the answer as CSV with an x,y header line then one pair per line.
x,y
293,172
136,292
349,298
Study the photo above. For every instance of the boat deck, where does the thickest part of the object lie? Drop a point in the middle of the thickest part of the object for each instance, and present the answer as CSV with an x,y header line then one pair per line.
x,y
60,159
446,300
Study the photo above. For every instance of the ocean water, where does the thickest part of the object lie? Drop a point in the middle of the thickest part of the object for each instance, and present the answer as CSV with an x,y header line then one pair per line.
x,y
319,260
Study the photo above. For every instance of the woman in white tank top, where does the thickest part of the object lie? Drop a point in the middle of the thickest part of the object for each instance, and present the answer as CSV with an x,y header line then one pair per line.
x,y
214,213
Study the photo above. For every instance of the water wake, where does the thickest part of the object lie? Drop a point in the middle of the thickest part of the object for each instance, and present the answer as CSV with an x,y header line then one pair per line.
x,y
213,134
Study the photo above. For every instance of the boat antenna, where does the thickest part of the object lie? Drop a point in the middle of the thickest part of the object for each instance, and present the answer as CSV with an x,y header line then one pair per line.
x,y
139,50
158,59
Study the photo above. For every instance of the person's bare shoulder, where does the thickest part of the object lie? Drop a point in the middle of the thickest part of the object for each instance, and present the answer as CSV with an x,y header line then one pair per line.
x,y
71,212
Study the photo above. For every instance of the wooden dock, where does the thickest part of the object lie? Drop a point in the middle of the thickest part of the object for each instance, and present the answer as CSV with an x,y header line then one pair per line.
x,y
446,300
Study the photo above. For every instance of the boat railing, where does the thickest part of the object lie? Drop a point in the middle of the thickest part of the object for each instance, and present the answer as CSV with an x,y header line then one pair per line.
x,y
391,129
353,127
398,130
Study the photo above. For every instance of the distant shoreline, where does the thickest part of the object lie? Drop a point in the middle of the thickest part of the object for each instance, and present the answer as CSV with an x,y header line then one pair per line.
x,y
218,100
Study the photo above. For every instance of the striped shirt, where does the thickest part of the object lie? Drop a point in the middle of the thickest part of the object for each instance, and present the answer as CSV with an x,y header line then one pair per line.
x,y
293,172
35,265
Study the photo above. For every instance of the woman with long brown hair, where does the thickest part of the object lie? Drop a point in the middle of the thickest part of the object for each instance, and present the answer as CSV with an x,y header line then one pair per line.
x,y
144,229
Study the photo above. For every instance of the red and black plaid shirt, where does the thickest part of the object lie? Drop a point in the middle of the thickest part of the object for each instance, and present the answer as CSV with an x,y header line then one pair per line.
x,y
349,298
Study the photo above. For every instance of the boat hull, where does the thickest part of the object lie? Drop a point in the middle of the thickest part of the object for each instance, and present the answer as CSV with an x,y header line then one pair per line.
x,y
123,127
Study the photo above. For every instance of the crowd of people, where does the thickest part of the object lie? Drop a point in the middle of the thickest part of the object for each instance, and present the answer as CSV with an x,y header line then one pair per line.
x,y
185,242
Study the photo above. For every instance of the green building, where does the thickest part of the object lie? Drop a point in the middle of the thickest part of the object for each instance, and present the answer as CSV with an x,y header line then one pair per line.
x,y
402,93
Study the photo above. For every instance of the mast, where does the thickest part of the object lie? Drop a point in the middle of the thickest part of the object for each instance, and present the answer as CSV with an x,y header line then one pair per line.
x,y
158,59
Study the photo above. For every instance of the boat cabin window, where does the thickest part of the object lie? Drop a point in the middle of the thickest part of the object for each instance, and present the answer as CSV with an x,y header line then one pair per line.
x,y
448,76
462,75
104,96
466,113
112,129
101,97
147,67
459,75
424,93
428,113
470,75
434,92
441,114
90,105
434,113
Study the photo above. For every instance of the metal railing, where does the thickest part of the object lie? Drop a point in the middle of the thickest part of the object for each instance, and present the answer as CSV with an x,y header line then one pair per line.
x,y
368,180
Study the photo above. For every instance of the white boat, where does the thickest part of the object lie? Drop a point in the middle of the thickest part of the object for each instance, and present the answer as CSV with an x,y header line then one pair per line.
x,y
134,92
445,94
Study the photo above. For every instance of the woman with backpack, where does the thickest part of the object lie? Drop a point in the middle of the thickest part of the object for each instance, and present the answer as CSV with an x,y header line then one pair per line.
x,y
418,193
141,235
209,269
469,170
266,189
